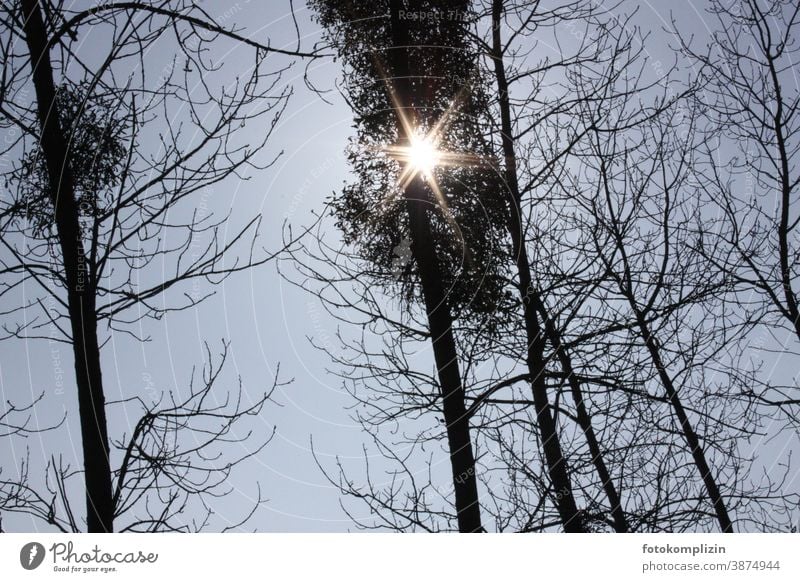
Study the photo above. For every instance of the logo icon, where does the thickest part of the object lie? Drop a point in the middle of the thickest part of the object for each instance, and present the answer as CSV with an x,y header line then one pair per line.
x,y
31,555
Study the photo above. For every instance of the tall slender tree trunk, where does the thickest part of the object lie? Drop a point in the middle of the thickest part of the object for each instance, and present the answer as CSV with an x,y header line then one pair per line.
x,y
80,281
440,325
584,419
535,359
440,320
692,440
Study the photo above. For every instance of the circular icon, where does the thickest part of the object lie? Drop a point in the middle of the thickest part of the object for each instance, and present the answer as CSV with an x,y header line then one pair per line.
x,y
31,555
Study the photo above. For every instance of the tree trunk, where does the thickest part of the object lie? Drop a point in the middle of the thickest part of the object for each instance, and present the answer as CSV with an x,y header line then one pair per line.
x,y
440,319
584,419
440,325
80,281
692,440
551,445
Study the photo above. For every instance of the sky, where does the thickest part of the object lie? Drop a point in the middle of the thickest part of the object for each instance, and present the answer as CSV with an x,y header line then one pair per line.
x,y
267,320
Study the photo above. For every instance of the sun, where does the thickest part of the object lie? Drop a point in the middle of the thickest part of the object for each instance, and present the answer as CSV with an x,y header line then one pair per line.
x,y
419,157
423,155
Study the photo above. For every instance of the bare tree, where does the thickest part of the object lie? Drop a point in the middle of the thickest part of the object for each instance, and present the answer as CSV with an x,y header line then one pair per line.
x,y
101,180
751,99
539,326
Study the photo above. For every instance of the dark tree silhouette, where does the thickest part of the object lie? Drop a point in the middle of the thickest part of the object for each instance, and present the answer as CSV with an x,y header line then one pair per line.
x,y
410,79
752,99
101,179
667,176
750,179
533,306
